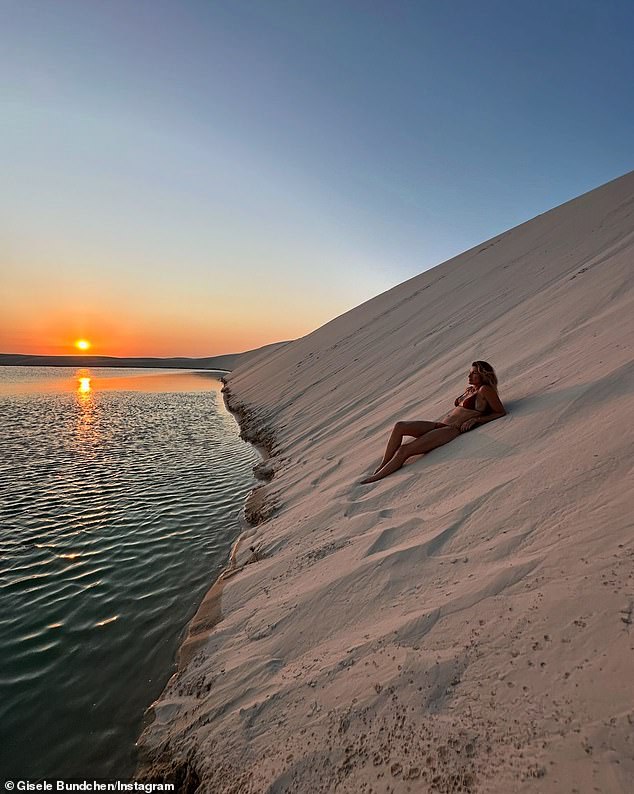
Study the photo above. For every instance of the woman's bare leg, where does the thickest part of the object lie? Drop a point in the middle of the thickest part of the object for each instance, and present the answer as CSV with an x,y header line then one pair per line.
x,y
431,440
401,429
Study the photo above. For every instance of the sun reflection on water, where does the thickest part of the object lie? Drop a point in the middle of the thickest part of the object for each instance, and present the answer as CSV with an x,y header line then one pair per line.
x,y
87,430
83,378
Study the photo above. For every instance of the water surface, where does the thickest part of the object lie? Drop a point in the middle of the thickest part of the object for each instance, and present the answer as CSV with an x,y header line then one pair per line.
x,y
121,493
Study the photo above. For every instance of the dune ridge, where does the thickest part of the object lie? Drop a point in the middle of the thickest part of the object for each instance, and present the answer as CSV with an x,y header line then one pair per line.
x,y
464,625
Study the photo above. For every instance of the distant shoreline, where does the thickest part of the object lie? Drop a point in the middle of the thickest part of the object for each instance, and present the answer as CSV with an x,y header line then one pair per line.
x,y
225,363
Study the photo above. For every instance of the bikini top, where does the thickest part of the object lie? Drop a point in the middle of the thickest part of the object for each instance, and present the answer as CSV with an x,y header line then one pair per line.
x,y
470,403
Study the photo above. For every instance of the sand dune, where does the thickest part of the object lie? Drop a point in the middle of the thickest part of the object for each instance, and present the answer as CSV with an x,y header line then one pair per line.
x,y
466,624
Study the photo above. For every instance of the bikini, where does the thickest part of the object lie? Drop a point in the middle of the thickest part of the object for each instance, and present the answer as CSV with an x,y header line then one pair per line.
x,y
469,402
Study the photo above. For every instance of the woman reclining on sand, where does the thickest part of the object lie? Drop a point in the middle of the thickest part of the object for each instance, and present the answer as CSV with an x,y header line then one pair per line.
x,y
479,404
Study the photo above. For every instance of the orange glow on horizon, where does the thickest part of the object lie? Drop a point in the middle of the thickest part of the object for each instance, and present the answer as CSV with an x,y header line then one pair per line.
x,y
55,332
156,319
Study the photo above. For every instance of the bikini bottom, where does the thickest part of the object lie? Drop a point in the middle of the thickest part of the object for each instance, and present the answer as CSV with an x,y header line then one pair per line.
x,y
440,425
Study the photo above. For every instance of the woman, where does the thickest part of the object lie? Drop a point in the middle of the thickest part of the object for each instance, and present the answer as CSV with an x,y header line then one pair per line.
x,y
478,404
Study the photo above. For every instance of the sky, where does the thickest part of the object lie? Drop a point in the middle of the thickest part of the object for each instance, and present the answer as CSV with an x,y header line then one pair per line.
x,y
196,177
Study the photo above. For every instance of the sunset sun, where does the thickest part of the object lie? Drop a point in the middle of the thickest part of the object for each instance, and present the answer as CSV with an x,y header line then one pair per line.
x,y
82,344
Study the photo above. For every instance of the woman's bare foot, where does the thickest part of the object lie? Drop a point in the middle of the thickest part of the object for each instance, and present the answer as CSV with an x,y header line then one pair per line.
x,y
380,466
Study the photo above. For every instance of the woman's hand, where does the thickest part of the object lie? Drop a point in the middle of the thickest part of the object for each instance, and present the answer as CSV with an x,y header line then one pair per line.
x,y
468,425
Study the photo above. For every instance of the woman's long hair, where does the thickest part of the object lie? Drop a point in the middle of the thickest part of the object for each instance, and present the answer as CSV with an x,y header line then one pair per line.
x,y
487,373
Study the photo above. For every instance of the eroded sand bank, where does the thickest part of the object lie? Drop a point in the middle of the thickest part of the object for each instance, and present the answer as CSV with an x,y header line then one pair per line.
x,y
465,624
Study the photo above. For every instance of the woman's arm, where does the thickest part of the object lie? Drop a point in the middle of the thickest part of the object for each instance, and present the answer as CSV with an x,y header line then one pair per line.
x,y
495,404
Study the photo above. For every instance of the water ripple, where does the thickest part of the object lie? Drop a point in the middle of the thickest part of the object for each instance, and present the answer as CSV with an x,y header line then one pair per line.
x,y
117,511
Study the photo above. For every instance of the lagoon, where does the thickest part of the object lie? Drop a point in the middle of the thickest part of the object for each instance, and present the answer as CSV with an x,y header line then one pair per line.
x,y
121,493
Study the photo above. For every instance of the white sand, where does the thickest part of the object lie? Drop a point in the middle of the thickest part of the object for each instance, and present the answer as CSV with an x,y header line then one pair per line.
x,y
467,623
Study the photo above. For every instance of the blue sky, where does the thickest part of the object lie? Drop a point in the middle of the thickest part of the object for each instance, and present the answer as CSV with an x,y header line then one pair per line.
x,y
201,177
